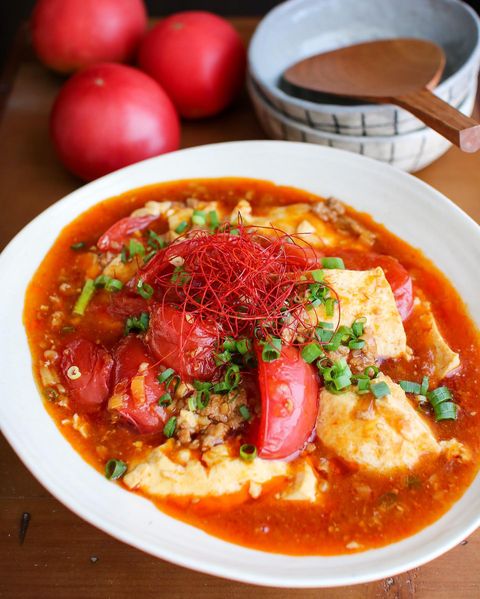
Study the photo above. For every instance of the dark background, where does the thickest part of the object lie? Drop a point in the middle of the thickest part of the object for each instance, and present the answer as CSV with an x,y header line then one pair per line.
x,y
13,12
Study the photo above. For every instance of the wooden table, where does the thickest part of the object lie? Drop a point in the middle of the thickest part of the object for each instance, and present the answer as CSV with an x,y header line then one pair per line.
x,y
62,556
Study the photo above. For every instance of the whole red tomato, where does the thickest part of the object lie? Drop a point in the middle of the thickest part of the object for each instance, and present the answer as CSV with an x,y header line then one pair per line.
x,y
198,58
111,115
70,34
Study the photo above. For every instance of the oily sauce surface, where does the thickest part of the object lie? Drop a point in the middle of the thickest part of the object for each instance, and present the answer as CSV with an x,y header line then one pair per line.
x,y
361,510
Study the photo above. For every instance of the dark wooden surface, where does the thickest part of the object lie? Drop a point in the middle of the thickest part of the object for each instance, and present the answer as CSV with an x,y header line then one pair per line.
x,y
62,556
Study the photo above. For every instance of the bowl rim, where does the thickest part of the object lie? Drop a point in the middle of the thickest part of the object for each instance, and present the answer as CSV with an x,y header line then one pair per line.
x,y
364,139
277,12
201,561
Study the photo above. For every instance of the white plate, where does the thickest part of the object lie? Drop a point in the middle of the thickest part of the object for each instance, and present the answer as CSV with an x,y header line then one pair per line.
x,y
408,207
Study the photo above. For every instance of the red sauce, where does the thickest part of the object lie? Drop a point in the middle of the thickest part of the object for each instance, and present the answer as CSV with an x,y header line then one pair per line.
x,y
369,509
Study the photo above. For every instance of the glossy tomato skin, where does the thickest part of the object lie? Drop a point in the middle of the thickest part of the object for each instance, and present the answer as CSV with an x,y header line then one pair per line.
x,y
289,391
71,34
398,277
118,234
135,368
89,391
198,58
108,116
187,347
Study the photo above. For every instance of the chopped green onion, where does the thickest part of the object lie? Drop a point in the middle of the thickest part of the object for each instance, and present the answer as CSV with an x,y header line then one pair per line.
x,y
410,387
155,241
311,352
244,412
180,276
181,227
135,248
169,428
198,217
380,389
213,220
341,381
356,344
323,335
243,346
248,452
329,306
173,383
223,358
329,262
79,245
165,399
111,285
192,404
232,377
372,371
221,387
271,350
230,344
363,385
84,297
317,275
149,256
439,395
166,374
234,231
115,469
424,385
124,255
144,289
446,410
137,323
358,326
325,325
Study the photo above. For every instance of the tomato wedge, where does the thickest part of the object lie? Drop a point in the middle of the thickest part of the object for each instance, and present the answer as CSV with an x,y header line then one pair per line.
x,y
398,277
135,379
90,365
289,392
187,347
115,237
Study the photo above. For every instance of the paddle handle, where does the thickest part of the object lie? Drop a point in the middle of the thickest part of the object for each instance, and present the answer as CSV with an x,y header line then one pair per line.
x,y
458,128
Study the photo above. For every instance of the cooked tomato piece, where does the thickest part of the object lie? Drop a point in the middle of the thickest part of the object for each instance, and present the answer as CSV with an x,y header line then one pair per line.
x,y
124,304
306,257
86,369
187,347
398,277
118,234
136,383
289,392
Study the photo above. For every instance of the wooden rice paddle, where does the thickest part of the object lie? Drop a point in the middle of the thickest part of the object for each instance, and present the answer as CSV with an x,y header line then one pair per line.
x,y
397,71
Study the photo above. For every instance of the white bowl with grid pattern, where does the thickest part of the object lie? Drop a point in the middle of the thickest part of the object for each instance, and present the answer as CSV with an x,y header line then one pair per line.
x,y
409,151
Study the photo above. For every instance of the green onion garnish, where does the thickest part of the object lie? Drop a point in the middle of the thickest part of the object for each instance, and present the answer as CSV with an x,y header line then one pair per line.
x,y
372,371
144,289
169,428
137,323
248,452
124,255
356,344
199,218
155,241
213,220
243,346
358,326
84,297
111,285
410,387
166,374
439,395
165,399
311,352
232,377
380,389
329,306
230,344
115,469
244,412
317,275
446,410
223,358
271,349
78,246
181,227
135,248
329,262
424,385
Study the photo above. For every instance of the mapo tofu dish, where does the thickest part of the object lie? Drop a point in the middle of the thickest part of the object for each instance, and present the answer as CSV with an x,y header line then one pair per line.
x,y
270,366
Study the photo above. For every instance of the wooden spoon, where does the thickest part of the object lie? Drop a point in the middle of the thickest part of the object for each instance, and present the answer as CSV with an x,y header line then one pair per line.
x,y
397,71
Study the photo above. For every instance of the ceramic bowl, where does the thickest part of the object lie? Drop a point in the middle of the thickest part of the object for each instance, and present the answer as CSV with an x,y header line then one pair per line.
x,y
300,28
409,151
408,207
